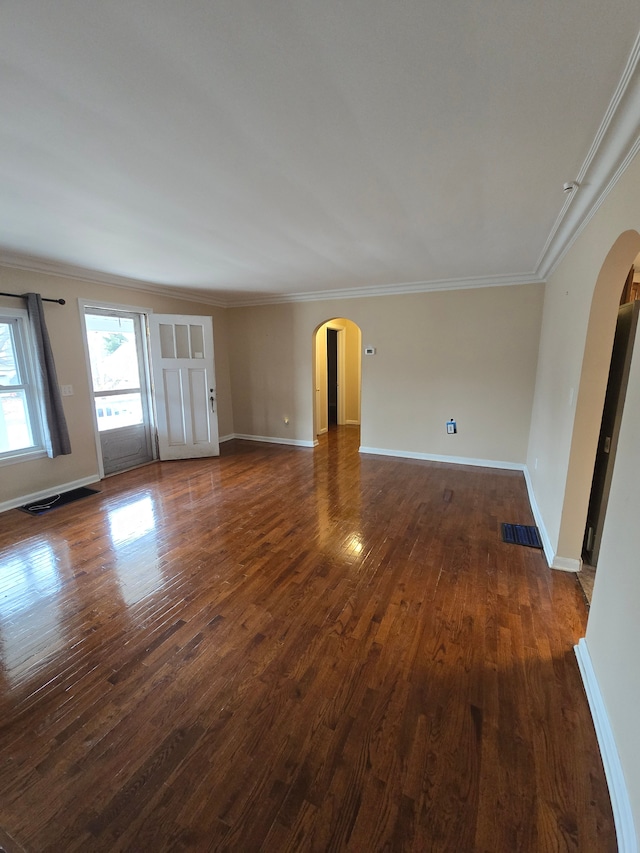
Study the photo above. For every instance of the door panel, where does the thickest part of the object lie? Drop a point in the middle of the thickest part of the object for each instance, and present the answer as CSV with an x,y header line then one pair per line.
x,y
200,406
174,408
184,381
124,448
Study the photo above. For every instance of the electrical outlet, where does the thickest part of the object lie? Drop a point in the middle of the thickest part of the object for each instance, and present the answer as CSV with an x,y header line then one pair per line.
x,y
66,390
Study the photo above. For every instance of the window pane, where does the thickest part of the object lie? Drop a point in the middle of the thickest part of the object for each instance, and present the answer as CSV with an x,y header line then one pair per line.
x,y
182,341
118,411
167,343
8,367
15,431
112,352
197,341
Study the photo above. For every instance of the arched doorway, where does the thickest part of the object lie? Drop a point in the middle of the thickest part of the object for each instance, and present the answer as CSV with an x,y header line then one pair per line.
x,y
337,347
591,395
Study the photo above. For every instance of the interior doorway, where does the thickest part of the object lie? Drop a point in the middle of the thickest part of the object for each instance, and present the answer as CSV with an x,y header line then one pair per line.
x,y
332,377
337,351
623,344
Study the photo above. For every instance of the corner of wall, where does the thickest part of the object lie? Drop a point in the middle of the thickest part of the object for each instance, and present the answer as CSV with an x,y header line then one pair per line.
x,y
549,552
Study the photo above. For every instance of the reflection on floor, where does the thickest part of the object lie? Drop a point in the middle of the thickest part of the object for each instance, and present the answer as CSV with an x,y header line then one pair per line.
x,y
586,578
293,649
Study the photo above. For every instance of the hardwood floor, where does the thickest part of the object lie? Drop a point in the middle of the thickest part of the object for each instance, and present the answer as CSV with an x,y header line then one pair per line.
x,y
288,650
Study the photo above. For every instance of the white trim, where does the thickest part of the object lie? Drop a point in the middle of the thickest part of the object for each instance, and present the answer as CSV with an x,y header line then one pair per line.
x,y
236,301
451,460
615,145
566,564
51,490
24,350
549,553
622,814
27,455
273,440
18,261
563,564
223,299
352,423
224,438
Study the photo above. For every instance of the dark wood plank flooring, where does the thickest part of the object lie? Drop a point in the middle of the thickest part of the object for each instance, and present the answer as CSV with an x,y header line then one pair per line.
x,y
288,650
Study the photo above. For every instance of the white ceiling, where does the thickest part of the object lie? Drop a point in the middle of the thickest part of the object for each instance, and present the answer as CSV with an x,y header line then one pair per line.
x,y
254,148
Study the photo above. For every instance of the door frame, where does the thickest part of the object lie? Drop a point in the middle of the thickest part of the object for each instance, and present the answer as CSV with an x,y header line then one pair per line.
x,y
146,367
321,378
606,459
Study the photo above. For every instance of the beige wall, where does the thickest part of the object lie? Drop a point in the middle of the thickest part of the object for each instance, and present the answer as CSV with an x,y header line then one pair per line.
x,y
65,329
468,354
353,371
575,350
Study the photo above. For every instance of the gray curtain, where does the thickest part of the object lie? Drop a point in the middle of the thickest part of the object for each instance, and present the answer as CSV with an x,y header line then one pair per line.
x,y
56,434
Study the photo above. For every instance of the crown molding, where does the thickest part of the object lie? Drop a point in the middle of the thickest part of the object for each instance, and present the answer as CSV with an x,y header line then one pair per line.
x,y
615,145
31,263
387,289
34,264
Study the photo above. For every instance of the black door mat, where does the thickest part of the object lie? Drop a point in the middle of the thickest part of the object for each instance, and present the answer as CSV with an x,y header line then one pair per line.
x,y
521,534
45,504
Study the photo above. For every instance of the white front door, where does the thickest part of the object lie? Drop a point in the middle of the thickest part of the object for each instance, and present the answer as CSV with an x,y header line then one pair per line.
x,y
184,385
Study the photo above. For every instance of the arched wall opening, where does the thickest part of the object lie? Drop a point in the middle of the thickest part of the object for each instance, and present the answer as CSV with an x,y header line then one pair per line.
x,y
348,373
591,394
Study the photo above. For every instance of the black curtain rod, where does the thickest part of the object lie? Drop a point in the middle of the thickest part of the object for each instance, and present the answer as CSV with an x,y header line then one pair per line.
x,y
44,299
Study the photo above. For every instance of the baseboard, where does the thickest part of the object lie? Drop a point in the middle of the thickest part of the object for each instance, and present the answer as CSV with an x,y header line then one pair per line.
x,y
353,423
549,553
52,490
563,564
566,564
451,460
224,438
621,807
294,442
